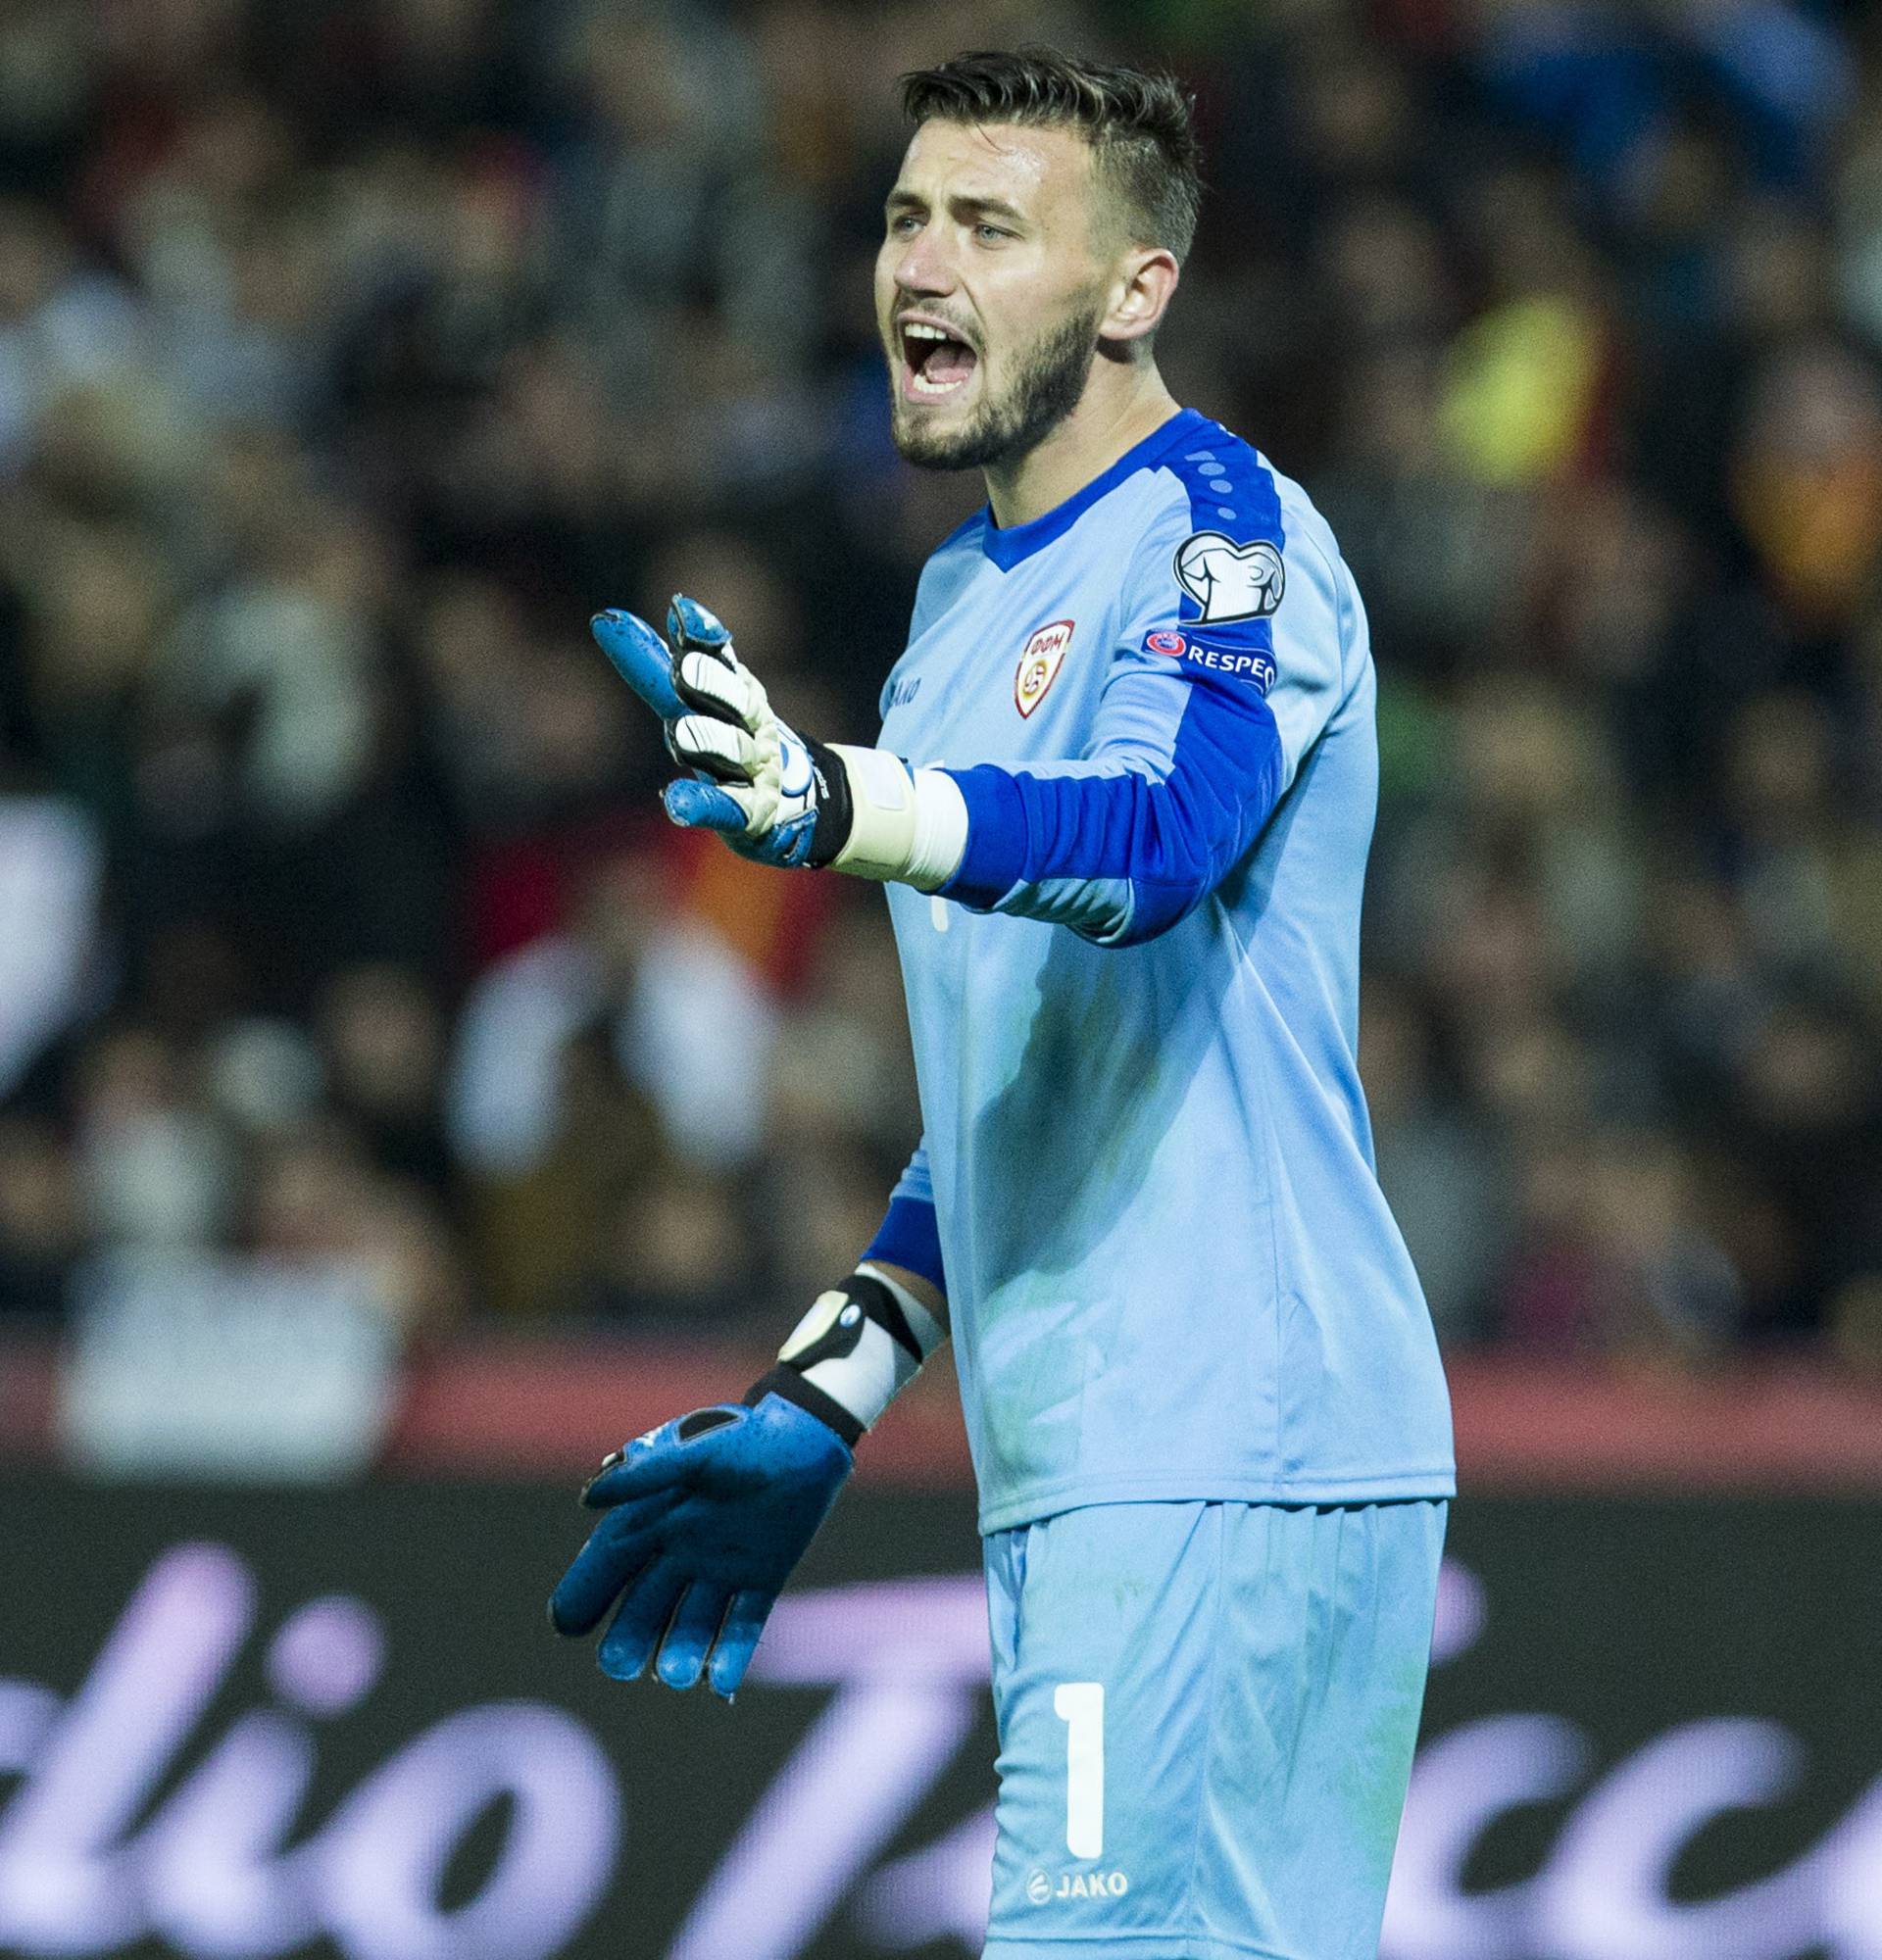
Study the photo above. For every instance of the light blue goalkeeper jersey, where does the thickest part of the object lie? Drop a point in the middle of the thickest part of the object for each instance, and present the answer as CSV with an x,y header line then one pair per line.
x,y
1169,1269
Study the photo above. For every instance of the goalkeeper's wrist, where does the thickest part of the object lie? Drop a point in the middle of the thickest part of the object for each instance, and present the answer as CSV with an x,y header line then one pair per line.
x,y
905,825
860,1346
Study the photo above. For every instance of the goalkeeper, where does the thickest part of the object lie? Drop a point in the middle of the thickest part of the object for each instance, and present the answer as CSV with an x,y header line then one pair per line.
x,y
1122,807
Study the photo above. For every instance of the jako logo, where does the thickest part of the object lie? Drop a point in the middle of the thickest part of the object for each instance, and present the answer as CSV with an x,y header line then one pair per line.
x,y
1078,1886
207,1872
1039,662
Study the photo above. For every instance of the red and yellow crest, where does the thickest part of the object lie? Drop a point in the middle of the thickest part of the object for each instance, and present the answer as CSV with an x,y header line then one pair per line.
x,y
1039,664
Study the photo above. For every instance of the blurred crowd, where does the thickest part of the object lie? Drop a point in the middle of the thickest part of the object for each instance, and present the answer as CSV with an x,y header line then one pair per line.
x,y
352,352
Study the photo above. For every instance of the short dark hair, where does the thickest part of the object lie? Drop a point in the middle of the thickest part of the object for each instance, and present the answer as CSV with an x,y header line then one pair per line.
x,y
1140,125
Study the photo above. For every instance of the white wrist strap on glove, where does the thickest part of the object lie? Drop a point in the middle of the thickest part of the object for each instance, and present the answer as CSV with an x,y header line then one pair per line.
x,y
908,826
862,1344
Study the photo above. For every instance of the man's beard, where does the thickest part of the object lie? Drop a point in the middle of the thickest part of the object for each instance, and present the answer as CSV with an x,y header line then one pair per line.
x,y
1050,382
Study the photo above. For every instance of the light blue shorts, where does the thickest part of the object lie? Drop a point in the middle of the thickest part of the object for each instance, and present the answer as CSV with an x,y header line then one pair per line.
x,y
1207,1719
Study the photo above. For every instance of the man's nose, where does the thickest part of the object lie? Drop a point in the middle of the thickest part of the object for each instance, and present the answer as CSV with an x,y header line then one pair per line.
x,y
925,267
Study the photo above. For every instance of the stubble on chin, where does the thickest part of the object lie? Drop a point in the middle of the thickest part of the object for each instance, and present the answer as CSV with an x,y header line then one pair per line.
x,y
919,442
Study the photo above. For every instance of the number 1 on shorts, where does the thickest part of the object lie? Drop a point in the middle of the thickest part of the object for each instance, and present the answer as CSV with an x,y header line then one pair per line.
x,y
1080,1706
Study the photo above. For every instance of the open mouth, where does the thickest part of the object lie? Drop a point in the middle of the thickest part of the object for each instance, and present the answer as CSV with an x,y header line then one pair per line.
x,y
938,361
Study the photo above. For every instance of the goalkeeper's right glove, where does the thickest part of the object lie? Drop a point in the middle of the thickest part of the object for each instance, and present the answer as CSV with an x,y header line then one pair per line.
x,y
708,1515
772,794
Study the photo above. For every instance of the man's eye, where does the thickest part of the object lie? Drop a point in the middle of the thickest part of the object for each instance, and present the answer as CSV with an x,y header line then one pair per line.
x,y
990,231
902,223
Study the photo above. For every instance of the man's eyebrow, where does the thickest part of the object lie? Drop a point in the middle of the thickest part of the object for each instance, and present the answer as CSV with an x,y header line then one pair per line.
x,y
962,204
989,207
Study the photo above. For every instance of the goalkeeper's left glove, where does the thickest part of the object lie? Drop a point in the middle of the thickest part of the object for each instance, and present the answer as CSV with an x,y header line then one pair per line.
x,y
773,793
707,1516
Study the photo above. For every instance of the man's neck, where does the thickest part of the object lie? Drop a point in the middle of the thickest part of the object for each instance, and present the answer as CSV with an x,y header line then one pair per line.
x,y
1119,408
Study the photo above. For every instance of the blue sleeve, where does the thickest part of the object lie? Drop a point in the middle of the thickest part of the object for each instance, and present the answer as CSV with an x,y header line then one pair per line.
x,y
1229,663
909,1236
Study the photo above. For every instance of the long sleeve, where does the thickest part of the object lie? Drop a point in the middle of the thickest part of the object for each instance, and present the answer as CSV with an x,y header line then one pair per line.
x,y
909,1234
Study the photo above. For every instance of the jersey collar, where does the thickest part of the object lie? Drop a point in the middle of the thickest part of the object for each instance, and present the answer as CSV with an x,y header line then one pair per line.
x,y
1018,542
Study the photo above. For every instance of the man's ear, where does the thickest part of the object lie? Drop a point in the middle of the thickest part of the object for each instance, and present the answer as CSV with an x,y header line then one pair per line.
x,y
1140,293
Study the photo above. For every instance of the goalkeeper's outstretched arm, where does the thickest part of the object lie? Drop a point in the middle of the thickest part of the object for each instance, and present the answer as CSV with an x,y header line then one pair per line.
x,y
1182,770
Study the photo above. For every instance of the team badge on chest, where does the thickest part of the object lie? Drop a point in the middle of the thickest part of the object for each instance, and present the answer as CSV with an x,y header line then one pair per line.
x,y
1039,664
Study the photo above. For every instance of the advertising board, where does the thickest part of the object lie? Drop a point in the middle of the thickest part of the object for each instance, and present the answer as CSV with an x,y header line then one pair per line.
x,y
237,1722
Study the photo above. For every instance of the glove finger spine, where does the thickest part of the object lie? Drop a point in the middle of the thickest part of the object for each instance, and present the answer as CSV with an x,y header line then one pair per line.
x,y
715,688
717,749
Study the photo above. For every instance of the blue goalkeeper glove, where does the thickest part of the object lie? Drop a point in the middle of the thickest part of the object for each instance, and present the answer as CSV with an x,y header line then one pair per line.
x,y
767,791
771,793
706,1518
709,1514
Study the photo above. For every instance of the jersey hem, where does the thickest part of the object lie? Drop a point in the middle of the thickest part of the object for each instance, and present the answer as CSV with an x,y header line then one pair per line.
x,y
1140,1945
1176,1487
